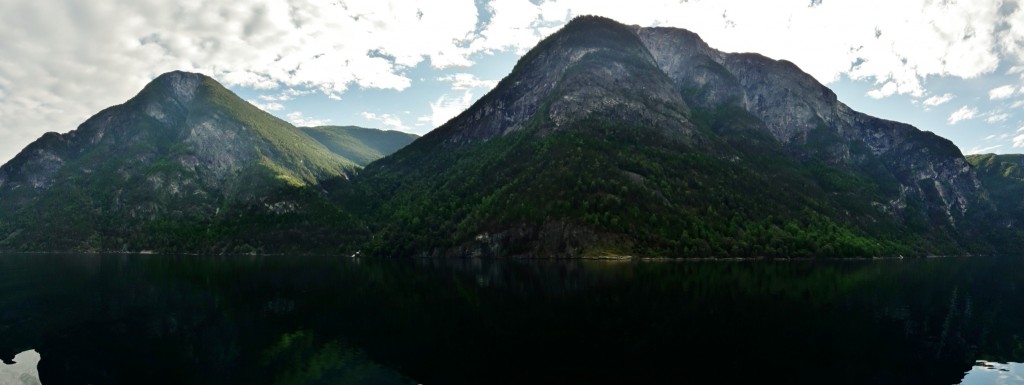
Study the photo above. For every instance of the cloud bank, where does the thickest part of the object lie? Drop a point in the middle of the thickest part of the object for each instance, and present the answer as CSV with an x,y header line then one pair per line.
x,y
63,60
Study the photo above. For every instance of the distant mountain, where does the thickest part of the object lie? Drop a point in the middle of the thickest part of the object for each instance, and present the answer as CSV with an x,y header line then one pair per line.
x,y
614,140
184,165
360,145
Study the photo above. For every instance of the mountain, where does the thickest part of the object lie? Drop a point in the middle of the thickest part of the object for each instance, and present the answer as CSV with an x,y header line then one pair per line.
x,y
360,145
184,165
607,139
604,140
1003,177
806,118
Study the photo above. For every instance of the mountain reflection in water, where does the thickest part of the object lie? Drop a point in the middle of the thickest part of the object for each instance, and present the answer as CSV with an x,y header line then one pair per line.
x,y
120,319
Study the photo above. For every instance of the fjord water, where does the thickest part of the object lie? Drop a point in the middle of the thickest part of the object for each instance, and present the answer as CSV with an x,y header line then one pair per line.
x,y
129,319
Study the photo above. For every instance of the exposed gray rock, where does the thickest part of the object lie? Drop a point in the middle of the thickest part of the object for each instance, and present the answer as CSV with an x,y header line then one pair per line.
x,y
792,104
576,75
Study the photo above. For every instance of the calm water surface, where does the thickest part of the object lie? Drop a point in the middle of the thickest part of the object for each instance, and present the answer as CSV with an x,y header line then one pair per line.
x,y
117,319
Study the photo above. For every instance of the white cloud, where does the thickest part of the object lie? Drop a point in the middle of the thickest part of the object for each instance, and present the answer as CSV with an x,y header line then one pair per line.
x,y
300,120
62,61
388,121
268,106
997,118
1002,136
964,113
424,120
1016,70
286,95
917,39
887,89
513,26
1012,37
1018,141
1003,92
466,82
447,107
450,105
938,100
983,150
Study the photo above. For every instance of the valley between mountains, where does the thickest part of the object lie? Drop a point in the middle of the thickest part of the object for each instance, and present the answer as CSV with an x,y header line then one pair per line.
x,y
604,140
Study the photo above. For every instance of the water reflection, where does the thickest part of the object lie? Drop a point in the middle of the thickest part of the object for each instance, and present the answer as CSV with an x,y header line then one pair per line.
x,y
22,371
175,319
985,372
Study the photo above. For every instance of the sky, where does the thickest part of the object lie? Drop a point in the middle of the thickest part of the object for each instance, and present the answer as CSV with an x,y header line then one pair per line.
x,y
953,67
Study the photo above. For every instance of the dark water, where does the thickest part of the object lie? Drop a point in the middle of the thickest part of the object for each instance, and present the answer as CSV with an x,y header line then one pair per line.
x,y
280,320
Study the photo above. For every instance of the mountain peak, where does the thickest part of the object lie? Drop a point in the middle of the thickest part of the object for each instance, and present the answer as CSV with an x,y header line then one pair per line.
x,y
592,70
588,21
179,75
179,85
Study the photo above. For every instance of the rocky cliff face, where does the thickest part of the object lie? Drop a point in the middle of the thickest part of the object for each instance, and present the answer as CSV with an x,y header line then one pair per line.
x,y
795,109
588,70
1003,177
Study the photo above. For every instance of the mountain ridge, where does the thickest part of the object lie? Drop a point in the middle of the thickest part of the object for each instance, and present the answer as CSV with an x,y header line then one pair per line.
x,y
184,158
805,105
865,180
604,140
358,144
